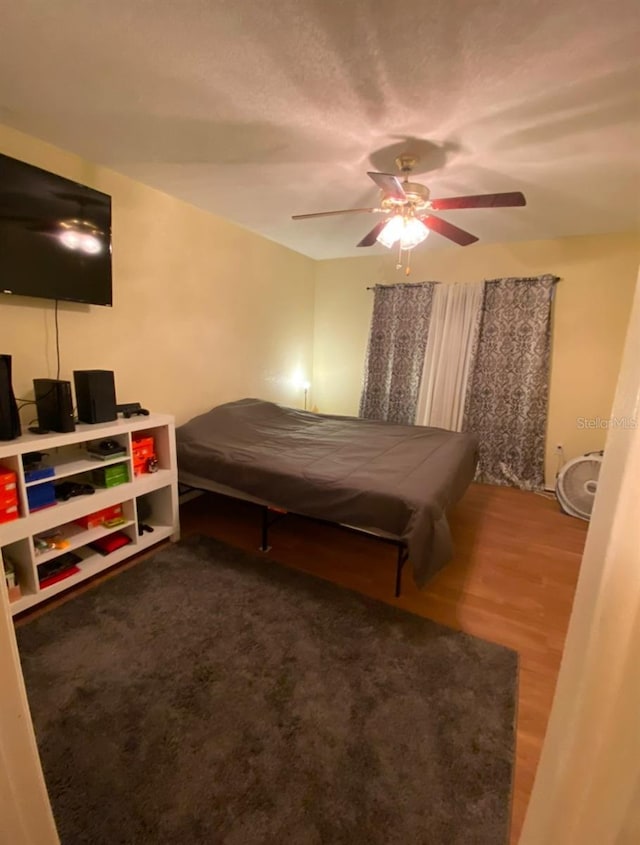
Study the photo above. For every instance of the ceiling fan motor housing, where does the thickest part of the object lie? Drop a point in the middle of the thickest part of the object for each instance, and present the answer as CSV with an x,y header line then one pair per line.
x,y
417,198
406,163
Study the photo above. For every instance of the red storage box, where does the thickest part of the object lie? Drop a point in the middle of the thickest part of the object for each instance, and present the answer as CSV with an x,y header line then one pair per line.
x,y
8,498
142,466
93,520
144,449
8,513
111,543
7,480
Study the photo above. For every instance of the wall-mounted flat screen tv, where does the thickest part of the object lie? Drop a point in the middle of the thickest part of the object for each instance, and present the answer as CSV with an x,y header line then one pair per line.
x,y
55,236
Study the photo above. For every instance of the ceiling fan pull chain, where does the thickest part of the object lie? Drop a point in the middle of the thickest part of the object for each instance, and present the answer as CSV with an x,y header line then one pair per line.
x,y
407,269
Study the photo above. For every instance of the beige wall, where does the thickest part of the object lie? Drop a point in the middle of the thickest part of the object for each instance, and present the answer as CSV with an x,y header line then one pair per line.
x,y
591,312
204,311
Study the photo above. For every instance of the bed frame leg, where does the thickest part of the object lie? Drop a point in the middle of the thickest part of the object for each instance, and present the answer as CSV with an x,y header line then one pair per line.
x,y
264,544
402,559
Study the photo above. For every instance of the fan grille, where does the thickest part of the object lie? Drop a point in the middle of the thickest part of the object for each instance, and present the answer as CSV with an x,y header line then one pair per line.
x,y
577,485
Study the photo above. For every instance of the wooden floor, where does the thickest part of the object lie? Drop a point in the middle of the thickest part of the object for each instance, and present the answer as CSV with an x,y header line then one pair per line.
x,y
512,582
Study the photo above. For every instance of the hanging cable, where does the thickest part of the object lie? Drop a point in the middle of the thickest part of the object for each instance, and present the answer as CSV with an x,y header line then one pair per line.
x,y
24,402
57,341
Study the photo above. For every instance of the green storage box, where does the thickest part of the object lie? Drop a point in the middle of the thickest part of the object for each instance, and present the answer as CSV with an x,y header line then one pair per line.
x,y
111,476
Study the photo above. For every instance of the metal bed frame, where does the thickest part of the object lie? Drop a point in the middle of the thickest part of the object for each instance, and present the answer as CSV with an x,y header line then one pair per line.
x,y
271,514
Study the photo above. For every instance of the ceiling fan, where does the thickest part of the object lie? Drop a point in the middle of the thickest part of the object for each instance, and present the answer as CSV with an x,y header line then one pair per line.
x,y
407,206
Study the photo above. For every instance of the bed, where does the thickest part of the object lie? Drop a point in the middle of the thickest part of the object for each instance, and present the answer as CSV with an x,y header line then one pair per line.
x,y
395,481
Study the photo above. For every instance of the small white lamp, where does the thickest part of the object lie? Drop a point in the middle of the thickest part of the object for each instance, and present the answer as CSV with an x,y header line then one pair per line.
x,y
301,383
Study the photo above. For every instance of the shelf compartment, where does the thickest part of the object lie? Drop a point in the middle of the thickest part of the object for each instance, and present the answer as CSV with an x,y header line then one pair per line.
x,y
156,510
77,537
155,507
63,512
159,533
14,464
64,467
19,553
163,445
92,563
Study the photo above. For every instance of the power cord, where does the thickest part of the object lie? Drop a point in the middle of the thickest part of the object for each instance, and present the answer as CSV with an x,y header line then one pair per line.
x,y
57,340
25,402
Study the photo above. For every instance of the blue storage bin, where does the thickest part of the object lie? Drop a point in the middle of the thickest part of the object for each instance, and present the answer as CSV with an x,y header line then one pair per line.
x,y
36,474
41,495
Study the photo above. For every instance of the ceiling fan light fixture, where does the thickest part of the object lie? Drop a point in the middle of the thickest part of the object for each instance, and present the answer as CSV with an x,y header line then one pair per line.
x,y
392,231
413,233
409,231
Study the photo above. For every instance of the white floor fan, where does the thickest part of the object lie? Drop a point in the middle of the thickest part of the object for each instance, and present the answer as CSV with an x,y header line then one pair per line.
x,y
577,484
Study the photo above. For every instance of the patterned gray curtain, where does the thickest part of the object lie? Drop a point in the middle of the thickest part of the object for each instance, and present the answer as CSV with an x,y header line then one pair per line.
x,y
506,403
395,355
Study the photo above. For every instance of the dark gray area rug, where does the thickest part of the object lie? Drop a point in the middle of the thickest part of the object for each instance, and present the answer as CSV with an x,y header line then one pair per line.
x,y
210,696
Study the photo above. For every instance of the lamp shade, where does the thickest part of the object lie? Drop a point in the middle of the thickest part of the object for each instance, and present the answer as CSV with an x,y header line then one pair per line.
x,y
413,233
410,231
392,231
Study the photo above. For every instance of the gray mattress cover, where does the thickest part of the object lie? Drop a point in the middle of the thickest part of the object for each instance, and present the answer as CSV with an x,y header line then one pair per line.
x,y
399,479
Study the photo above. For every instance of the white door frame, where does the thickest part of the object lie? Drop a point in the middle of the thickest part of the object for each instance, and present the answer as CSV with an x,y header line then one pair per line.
x,y
25,812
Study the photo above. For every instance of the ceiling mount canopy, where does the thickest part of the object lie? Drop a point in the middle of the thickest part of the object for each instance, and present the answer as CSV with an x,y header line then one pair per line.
x,y
408,205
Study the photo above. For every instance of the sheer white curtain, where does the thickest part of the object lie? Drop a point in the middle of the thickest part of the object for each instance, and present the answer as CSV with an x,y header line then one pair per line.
x,y
448,360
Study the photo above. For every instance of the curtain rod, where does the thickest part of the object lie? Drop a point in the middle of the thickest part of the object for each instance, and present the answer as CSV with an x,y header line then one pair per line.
x,y
556,279
404,285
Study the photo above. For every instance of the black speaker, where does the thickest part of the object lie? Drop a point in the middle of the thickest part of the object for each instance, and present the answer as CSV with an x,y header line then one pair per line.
x,y
95,395
54,404
9,419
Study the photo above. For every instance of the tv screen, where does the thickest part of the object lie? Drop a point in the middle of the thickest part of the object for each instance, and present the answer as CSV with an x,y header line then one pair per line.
x,y
55,236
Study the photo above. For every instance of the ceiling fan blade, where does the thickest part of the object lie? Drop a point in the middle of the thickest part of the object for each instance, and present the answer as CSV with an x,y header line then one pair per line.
x,y
448,230
480,201
330,213
390,184
370,238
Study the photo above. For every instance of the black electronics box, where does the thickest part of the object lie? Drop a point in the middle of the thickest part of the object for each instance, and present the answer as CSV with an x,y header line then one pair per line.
x,y
95,395
54,404
9,419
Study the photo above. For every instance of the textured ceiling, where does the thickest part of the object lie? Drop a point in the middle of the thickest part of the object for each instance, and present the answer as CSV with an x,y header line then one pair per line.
x,y
260,110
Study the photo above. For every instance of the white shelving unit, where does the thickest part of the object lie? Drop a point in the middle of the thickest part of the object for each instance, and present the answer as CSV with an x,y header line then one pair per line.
x,y
67,454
